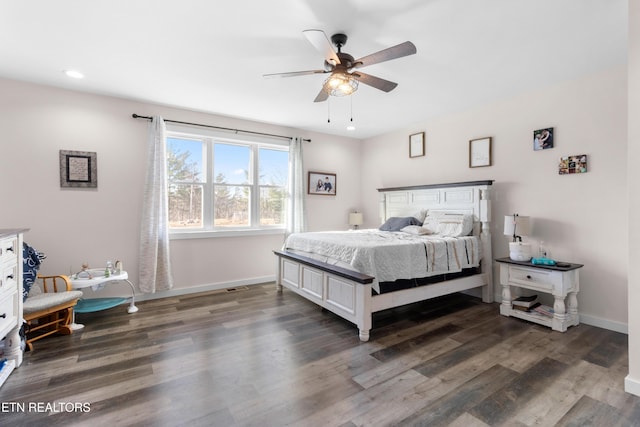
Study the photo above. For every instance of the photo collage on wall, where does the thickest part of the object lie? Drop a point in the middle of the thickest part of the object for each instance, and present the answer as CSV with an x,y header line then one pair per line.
x,y
543,139
573,164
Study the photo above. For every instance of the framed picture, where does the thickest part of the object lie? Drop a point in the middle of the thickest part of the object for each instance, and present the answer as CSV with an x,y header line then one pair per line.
x,y
416,144
573,164
78,169
322,183
480,152
543,139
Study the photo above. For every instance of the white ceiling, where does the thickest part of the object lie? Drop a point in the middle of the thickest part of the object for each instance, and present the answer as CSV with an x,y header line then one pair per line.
x,y
210,55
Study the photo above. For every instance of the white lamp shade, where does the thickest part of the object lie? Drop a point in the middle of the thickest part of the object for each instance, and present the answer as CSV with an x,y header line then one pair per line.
x,y
356,218
519,227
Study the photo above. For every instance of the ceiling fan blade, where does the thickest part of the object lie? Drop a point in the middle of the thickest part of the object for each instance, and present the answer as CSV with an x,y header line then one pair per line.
x,y
398,51
295,73
322,96
376,82
321,42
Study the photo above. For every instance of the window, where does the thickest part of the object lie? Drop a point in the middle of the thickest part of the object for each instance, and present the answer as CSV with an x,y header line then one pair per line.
x,y
221,183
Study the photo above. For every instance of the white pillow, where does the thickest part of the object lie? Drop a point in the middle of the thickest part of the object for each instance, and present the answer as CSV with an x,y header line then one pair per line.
x,y
420,215
416,229
455,225
432,220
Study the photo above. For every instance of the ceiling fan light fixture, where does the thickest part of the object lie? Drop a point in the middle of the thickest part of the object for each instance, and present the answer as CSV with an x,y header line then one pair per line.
x,y
340,84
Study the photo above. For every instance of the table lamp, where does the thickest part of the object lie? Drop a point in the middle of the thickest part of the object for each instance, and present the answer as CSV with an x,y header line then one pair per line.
x,y
355,219
517,226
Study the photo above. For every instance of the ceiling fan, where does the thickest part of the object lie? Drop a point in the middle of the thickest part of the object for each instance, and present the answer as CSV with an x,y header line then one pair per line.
x,y
344,78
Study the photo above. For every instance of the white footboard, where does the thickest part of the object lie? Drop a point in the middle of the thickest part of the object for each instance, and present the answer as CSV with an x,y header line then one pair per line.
x,y
348,293
343,292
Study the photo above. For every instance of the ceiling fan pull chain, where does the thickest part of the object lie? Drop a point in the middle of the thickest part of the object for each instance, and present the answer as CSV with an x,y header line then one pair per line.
x,y
328,111
351,100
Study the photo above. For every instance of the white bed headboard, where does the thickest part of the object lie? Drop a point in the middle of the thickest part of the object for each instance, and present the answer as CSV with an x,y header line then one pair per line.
x,y
471,197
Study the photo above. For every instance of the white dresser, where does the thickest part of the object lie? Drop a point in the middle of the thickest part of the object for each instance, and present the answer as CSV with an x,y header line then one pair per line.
x,y
10,299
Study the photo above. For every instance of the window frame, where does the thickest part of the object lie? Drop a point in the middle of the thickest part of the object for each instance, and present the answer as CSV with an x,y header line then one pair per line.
x,y
209,137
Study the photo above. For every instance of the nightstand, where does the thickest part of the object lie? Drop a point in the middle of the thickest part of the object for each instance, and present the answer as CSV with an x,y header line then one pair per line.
x,y
560,281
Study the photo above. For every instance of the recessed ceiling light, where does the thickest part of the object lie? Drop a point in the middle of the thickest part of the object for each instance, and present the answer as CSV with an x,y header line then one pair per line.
x,y
351,128
74,74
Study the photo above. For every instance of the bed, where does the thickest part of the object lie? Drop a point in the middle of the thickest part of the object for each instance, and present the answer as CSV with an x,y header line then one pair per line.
x,y
357,273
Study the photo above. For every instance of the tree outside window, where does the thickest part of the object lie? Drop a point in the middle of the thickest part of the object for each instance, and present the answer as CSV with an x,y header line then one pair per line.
x,y
217,184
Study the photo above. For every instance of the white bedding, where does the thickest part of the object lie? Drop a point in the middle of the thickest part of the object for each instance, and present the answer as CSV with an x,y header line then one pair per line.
x,y
389,255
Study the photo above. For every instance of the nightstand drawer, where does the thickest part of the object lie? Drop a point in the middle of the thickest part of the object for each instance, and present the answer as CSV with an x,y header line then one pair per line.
x,y
532,279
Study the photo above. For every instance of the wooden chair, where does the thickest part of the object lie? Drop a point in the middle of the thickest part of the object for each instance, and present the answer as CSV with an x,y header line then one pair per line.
x,y
49,310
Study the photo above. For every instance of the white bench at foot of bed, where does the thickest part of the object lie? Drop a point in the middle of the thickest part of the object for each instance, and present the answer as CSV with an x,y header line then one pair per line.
x,y
348,293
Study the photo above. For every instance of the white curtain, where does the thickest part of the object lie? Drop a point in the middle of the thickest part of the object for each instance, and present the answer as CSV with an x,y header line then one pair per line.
x,y
155,269
296,221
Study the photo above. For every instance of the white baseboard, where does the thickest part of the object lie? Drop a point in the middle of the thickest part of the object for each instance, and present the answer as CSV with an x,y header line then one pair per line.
x,y
206,288
632,385
604,323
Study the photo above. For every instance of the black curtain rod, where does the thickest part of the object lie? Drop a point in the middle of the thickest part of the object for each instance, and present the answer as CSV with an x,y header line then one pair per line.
x,y
136,116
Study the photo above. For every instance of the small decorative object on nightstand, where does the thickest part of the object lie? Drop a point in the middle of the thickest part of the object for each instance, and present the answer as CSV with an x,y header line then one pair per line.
x,y
517,226
355,219
561,280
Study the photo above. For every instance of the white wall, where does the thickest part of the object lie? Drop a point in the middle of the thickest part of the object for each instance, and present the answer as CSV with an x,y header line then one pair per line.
x,y
73,226
582,218
632,383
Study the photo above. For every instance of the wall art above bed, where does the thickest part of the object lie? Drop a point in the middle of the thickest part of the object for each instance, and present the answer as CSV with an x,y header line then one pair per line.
x,y
573,164
543,139
322,183
416,144
480,152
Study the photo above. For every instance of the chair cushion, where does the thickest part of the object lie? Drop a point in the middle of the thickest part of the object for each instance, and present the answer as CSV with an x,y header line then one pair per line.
x,y
47,300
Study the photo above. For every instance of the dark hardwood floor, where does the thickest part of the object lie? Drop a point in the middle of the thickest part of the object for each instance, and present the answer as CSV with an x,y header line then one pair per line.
x,y
254,357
